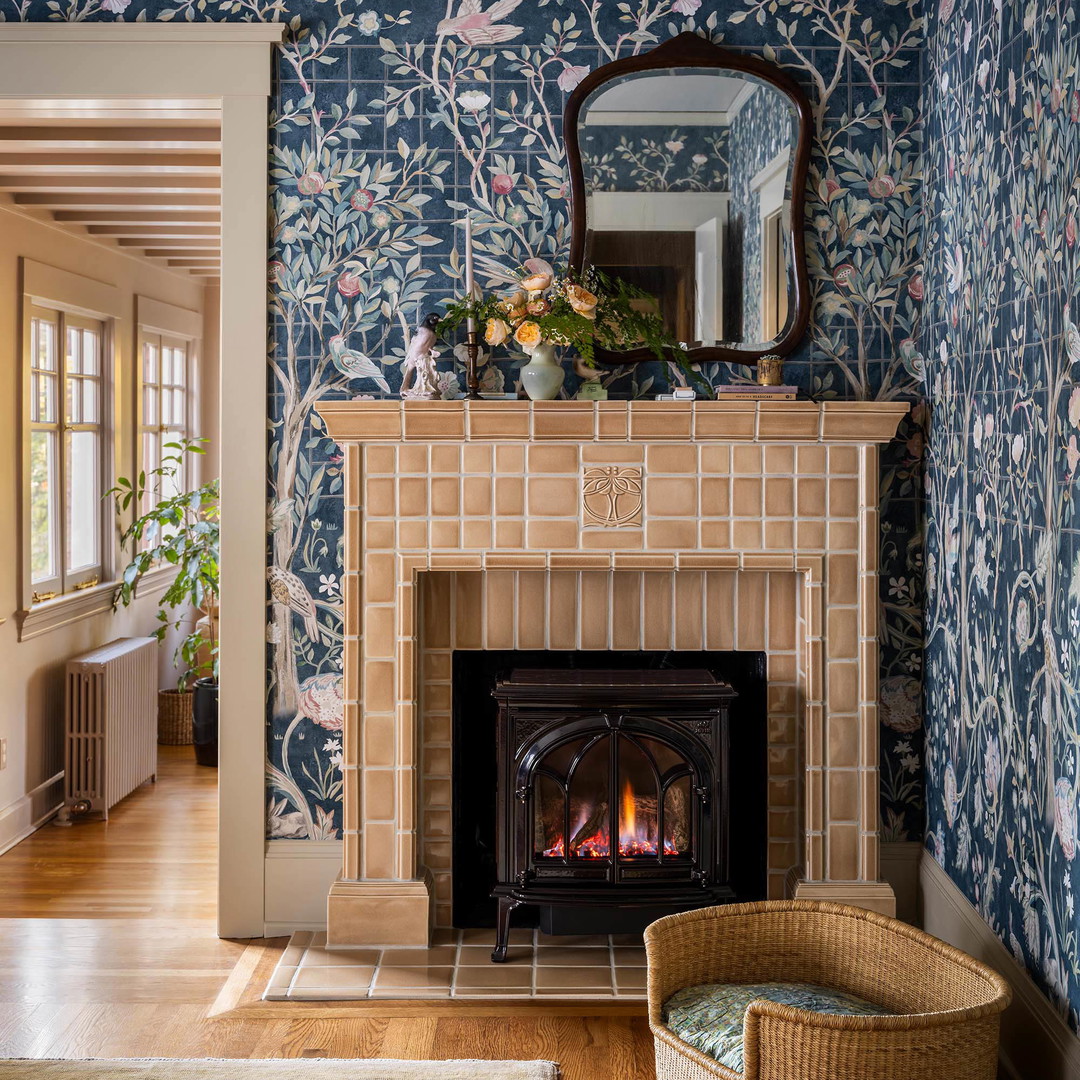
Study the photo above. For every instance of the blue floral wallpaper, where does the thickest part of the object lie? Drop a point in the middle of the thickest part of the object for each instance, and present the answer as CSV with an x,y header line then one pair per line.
x,y
764,126
390,121
1002,349
652,158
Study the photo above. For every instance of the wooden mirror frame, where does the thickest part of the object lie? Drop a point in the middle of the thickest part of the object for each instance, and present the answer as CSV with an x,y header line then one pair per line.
x,y
688,50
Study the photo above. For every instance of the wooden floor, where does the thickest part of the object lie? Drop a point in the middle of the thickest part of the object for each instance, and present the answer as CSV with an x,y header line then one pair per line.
x,y
107,949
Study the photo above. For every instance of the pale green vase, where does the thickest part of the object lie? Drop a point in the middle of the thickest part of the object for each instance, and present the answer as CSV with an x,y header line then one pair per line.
x,y
542,377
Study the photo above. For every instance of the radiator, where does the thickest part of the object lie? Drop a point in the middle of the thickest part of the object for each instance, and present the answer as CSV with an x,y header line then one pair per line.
x,y
111,720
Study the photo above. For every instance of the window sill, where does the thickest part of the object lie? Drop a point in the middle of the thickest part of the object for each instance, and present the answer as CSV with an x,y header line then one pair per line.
x,y
71,608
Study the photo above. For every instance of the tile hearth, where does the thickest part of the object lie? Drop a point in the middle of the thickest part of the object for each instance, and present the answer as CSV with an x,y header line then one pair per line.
x,y
458,966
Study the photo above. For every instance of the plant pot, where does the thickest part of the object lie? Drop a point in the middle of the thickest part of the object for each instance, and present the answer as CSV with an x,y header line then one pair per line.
x,y
205,721
542,377
174,718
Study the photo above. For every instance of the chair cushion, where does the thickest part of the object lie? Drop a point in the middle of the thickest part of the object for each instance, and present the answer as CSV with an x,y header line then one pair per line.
x,y
710,1017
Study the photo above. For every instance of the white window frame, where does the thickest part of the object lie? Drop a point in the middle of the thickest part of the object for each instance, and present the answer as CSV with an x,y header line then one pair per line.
x,y
73,298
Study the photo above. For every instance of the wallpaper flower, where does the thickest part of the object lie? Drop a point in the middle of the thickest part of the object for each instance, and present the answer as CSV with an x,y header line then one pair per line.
x,y
1002,281
390,120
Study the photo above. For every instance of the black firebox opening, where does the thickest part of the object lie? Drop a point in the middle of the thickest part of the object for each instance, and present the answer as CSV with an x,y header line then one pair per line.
x,y
475,763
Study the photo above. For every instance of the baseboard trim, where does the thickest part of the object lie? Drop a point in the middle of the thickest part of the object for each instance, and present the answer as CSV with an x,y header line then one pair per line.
x,y
1036,1042
298,877
29,812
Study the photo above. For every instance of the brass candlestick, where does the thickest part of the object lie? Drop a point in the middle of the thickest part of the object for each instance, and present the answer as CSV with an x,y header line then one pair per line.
x,y
472,377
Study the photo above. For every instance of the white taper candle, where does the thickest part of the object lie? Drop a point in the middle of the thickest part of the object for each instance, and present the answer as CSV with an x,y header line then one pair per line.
x,y
469,284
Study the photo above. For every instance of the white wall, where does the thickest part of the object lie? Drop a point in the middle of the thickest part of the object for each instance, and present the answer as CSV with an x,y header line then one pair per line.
x,y
31,672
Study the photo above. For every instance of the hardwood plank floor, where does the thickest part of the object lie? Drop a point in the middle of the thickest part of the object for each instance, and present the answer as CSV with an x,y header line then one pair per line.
x,y
108,949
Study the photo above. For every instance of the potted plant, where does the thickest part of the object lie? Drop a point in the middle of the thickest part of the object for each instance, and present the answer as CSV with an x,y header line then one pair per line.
x,y
179,530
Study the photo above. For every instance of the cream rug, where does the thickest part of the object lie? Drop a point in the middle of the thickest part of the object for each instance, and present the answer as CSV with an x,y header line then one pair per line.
x,y
275,1069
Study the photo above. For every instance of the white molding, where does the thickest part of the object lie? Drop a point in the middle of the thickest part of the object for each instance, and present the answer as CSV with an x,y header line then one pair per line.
x,y
1036,1042
156,33
227,66
29,812
656,211
299,874
779,164
162,317
73,292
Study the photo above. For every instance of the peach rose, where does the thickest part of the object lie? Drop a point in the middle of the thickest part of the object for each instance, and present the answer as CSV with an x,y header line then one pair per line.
x,y
538,307
496,331
536,282
528,335
582,301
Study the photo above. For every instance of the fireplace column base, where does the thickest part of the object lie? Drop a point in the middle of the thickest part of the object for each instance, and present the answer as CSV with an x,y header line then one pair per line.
x,y
379,913
875,895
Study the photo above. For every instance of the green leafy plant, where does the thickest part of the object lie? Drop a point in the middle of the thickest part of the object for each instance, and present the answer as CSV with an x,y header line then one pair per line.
x,y
180,530
580,310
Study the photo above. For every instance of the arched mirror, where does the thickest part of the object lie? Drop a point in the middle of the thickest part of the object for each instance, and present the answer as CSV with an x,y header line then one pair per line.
x,y
688,168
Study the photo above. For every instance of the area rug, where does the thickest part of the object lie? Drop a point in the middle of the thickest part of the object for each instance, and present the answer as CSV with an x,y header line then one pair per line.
x,y
274,1069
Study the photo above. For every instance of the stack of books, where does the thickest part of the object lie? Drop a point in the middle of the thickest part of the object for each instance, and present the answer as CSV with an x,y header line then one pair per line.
x,y
750,392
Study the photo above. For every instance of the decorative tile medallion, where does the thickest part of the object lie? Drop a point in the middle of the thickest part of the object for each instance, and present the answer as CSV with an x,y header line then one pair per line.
x,y
611,497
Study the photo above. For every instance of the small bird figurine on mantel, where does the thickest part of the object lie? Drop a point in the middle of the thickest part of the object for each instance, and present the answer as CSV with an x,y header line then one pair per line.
x,y
420,381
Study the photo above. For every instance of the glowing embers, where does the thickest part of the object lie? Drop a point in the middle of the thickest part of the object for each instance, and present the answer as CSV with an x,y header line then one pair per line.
x,y
571,799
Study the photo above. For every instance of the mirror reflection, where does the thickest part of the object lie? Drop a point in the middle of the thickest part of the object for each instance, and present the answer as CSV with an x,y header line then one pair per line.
x,y
687,174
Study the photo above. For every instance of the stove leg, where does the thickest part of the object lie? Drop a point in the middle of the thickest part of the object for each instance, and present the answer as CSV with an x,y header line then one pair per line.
x,y
502,932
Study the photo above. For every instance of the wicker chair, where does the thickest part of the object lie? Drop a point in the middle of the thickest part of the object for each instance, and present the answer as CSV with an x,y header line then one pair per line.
x,y
947,1004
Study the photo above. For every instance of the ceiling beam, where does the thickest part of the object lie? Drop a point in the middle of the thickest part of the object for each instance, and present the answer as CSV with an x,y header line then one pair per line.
x,y
104,164
211,242
153,233
97,200
35,140
107,185
209,254
133,217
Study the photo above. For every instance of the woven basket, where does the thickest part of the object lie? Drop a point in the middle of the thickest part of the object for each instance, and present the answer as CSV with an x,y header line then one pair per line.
x,y
945,1005
174,718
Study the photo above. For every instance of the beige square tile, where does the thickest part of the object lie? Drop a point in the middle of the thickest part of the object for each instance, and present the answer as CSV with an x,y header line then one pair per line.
x,y
379,498
746,460
316,956
628,957
554,496
573,978
509,496
559,957
515,978
552,459
631,978
672,459
779,496
551,535
415,978
671,534
353,977
379,534
379,459
517,956
671,496
445,493
476,492
476,459
510,458
318,993
413,535
413,459
446,459
437,956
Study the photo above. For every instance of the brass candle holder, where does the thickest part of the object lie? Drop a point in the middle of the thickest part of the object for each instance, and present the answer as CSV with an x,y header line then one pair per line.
x,y
472,375
770,370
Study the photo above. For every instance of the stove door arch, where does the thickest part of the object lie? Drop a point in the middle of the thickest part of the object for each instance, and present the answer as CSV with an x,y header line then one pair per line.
x,y
612,797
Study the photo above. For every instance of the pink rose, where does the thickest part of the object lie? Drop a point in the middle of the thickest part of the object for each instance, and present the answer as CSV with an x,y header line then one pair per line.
x,y
502,184
571,76
915,287
310,183
349,283
362,199
829,188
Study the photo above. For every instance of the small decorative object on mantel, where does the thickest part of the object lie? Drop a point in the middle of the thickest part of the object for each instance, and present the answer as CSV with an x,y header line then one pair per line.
x,y
583,310
770,370
421,382
591,388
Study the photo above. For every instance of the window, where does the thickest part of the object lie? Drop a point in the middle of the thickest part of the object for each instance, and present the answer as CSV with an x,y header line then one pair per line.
x,y
163,408
67,446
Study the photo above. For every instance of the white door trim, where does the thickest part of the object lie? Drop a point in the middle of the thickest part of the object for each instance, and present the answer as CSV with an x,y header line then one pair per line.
x,y
226,65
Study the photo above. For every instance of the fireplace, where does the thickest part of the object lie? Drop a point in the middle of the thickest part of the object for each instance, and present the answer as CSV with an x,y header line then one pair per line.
x,y
612,796
471,526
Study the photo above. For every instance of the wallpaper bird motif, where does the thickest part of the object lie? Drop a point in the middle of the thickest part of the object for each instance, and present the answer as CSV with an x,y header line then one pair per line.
x,y
1002,348
390,121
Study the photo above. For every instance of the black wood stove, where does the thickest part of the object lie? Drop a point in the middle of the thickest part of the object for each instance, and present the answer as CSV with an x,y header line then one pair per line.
x,y
612,797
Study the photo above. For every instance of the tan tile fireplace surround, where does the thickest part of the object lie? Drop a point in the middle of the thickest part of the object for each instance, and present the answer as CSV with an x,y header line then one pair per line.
x,y
606,525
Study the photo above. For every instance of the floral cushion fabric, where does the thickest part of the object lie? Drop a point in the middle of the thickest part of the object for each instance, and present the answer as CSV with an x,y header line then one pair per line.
x,y
710,1017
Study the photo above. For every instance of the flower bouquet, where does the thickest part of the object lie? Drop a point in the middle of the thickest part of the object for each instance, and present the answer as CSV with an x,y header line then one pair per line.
x,y
575,310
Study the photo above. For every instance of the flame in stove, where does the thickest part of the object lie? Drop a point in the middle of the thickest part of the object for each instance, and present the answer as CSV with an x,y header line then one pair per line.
x,y
628,814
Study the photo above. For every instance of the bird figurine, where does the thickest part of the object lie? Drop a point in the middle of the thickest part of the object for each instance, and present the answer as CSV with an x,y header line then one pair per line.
x,y
286,588
476,27
355,365
420,380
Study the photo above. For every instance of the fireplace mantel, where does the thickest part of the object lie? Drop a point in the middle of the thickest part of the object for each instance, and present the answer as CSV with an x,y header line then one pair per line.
x,y
612,421
745,525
